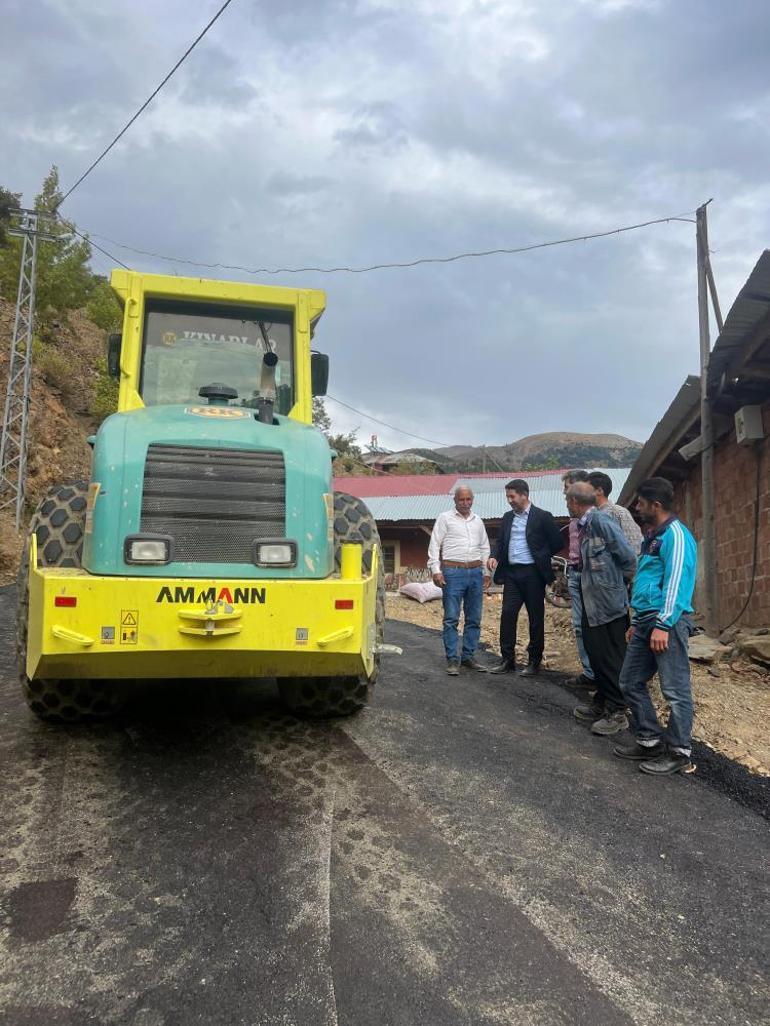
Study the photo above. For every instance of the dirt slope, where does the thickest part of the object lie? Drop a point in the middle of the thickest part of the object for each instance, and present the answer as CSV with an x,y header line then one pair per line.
x,y
64,379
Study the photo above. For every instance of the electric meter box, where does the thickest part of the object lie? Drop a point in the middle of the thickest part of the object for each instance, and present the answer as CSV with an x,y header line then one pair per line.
x,y
748,425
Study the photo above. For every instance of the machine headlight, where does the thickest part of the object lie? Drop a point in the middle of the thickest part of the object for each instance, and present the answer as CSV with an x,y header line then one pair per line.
x,y
280,552
147,548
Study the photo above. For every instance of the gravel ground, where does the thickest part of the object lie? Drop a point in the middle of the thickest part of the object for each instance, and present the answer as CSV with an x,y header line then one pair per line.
x,y
731,710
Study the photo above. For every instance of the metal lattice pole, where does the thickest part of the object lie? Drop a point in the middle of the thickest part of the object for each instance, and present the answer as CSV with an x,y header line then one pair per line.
x,y
13,441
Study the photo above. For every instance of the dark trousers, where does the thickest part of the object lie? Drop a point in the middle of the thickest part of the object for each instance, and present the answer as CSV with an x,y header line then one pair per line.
x,y
606,648
523,586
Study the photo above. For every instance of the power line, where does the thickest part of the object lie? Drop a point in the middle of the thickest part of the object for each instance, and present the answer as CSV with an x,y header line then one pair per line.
x,y
401,431
146,104
472,255
90,241
392,427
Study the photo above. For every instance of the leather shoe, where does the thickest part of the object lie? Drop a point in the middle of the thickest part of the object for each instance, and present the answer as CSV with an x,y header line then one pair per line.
x,y
473,664
637,752
452,667
664,765
610,723
504,666
581,681
530,670
587,713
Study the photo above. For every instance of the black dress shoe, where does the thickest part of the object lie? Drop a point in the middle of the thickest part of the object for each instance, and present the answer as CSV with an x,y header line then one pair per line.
x,y
473,664
504,666
530,670
587,713
581,681
664,765
637,752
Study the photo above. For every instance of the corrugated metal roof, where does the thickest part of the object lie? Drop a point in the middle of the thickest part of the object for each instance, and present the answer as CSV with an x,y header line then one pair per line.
x,y
444,484
545,491
666,433
751,305
396,484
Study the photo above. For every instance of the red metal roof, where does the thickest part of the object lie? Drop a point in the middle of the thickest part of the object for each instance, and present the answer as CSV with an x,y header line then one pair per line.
x,y
396,484
420,484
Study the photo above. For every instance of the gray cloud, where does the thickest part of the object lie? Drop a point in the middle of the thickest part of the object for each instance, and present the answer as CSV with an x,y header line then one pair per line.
x,y
362,131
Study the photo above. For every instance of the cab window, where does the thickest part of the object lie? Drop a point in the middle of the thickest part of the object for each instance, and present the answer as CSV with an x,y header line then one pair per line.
x,y
187,346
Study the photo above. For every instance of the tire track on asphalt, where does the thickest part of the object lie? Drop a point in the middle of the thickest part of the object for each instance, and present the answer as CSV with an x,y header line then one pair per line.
x,y
635,932
397,880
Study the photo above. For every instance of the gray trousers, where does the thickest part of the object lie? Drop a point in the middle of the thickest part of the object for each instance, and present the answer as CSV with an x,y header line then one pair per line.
x,y
573,581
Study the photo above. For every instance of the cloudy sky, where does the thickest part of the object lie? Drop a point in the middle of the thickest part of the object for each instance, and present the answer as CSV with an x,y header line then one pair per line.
x,y
327,132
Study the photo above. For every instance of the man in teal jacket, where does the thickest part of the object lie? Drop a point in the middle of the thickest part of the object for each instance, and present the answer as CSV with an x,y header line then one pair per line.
x,y
658,636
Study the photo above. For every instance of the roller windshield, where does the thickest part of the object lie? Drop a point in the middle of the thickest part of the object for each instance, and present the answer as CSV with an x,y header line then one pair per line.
x,y
187,346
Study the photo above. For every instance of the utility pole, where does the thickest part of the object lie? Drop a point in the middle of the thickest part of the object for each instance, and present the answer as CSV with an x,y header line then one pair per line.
x,y
13,440
708,547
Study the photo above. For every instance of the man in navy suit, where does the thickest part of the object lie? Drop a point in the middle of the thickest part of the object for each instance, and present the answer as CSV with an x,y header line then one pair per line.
x,y
529,538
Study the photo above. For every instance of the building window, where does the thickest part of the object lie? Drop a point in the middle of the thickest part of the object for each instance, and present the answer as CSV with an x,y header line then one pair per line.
x,y
389,556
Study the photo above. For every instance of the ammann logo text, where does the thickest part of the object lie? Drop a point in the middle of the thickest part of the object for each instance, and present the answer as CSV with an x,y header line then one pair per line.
x,y
245,596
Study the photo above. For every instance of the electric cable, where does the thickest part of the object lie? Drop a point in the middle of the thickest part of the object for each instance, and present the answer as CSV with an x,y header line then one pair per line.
x,y
471,255
392,427
146,104
90,241
409,434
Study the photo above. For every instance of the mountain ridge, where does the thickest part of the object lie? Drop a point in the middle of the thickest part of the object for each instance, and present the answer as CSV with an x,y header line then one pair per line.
x,y
549,450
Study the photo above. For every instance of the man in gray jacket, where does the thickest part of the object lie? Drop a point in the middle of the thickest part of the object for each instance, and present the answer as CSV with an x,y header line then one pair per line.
x,y
607,564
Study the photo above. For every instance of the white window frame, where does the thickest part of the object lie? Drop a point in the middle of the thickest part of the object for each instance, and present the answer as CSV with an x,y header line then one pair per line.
x,y
396,554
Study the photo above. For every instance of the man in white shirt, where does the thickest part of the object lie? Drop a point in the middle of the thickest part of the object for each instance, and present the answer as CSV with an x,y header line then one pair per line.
x,y
457,558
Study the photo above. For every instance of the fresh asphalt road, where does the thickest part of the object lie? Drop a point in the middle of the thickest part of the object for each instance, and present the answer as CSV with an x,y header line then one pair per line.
x,y
464,852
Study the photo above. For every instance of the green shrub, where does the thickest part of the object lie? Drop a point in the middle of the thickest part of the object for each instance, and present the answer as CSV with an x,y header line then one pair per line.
x,y
103,307
105,400
59,371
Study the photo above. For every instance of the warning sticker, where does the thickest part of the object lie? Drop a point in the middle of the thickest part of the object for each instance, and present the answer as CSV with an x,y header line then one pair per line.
x,y
108,635
301,636
129,626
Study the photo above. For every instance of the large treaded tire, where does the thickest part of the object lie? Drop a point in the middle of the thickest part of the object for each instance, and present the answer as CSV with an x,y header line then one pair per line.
x,y
58,523
325,697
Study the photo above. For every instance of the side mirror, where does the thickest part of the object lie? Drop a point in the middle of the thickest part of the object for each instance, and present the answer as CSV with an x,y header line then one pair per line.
x,y
319,373
113,355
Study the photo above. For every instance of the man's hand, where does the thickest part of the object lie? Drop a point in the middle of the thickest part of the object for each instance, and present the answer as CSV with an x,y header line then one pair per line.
x,y
492,564
659,640
438,579
487,582
630,633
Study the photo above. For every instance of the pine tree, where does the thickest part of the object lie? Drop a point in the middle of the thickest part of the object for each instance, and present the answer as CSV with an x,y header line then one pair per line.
x,y
9,202
64,281
321,418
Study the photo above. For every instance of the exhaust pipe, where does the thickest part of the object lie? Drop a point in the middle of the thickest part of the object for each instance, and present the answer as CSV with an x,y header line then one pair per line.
x,y
266,400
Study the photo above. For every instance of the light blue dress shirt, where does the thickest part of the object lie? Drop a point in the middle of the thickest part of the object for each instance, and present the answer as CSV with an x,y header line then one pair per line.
x,y
518,550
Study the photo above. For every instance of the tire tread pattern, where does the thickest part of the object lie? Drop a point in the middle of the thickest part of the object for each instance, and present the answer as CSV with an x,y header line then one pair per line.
x,y
325,697
59,523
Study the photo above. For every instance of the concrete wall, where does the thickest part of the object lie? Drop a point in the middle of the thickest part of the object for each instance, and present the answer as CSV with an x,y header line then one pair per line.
x,y
735,476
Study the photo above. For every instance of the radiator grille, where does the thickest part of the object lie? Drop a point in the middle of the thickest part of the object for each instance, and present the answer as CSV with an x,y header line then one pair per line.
x,y
213,502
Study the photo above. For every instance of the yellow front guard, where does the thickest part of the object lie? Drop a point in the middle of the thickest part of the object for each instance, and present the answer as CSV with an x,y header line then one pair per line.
x,y
82,626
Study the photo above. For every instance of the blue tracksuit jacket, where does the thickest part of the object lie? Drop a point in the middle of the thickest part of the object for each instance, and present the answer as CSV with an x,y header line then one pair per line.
x,y
665,575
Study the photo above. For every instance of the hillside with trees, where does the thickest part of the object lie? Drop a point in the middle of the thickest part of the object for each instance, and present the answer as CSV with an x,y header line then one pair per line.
x,y
71,392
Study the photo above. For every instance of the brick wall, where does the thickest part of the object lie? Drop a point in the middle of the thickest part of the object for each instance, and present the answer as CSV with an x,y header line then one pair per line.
x,y
735,470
